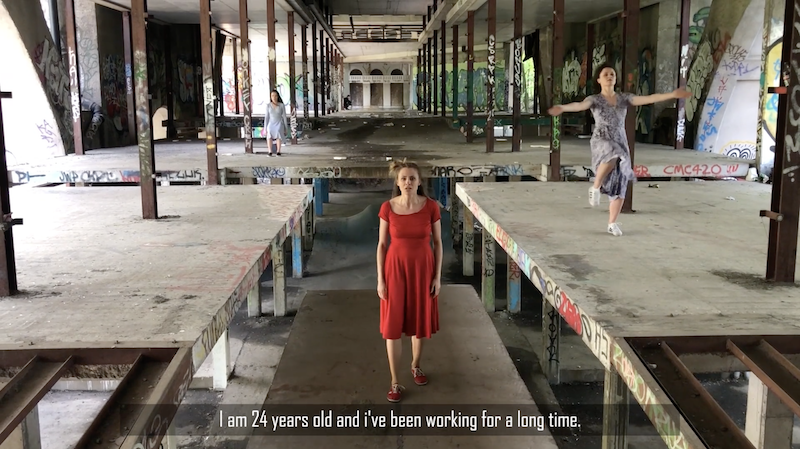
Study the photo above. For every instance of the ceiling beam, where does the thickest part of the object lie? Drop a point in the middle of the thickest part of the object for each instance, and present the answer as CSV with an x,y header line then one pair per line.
x,y
458,12
435,22
409,55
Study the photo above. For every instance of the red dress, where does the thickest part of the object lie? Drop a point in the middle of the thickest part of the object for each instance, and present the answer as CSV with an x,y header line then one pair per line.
x,y
408,271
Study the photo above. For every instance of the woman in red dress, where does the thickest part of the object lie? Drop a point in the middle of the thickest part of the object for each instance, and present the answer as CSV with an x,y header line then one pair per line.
x,y
409,270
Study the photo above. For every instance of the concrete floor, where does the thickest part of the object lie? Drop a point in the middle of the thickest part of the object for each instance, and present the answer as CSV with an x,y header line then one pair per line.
x,y
357,145
343,258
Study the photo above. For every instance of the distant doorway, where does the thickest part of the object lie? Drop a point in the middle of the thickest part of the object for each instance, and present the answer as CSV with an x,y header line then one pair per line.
x,y
376,95
357,95
396,95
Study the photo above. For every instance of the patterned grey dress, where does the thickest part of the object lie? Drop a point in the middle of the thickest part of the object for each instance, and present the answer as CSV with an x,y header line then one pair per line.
x,y
610,141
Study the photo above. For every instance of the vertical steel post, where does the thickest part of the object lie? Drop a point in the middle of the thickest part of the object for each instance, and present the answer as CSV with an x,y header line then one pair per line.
x,y
8,264
490,81
292,84
315,68
127,56
74,80
516,140
558,67
273,70
684,63
434,59
142,93
630,69
782,251
470,73
208,92
247,101
304,56
454,73
444,70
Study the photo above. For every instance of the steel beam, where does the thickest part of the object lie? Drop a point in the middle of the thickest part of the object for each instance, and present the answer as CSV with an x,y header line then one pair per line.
x,y
118,355
144,130
454,73
121,410
20,395
630,70
777,373
314,67
782,249
490,82
162,403
516,140
710,421
208,92
434,60
557,62
128,57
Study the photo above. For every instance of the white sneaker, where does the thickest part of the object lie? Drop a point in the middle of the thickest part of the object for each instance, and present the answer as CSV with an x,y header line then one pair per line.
x,y
613,228
594,196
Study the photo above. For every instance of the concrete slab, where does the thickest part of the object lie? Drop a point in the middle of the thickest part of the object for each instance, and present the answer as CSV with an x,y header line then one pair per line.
x,y
335,355
93,272
701,247
359,146
691,263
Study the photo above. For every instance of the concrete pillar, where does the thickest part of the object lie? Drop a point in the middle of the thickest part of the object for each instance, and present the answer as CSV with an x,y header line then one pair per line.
x,y
89,70
319,185
254,301
387,95
454,73
209,99
468,258
516,68
490,82
221,359
455,218
297,250
279,278
769,422
616,411
470,73
514,287
27,435
367,95
170,440
669,45
488,275
308,229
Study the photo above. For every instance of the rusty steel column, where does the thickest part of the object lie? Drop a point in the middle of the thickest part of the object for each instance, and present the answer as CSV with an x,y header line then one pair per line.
x,y
454,73
127,55
328,76
418,84
516,139
435,78
172,132
558,67
304,55
74,82
247,82
683,73
144,134
273,70
314,68
8,264
444,70
208,91
490,81
237,97
630,69
292,82
322,83
590,37
470,72
785,207
424,77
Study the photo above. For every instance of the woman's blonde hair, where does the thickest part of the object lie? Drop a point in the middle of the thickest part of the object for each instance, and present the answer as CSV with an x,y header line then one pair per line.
x,y
394,171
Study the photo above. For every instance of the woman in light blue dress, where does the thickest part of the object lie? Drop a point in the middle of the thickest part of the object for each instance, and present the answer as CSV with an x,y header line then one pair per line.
x,y
611,156
276,122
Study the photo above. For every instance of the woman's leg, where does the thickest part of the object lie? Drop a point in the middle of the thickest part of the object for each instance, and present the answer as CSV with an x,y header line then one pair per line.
x,y
416,351
603,170
278,145
614,209
394,349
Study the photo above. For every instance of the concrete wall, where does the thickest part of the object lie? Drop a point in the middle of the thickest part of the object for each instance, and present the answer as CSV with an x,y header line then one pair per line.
x,y
25,19
113,85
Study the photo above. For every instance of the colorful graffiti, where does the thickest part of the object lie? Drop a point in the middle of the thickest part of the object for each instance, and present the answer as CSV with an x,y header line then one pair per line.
x,y
114,87
55,79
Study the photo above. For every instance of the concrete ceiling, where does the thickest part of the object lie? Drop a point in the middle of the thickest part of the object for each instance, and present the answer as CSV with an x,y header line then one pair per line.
x,y
225,15
380,7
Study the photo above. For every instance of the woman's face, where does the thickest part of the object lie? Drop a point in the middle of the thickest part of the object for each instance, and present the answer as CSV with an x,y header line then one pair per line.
x,y
274,97
608,77
408,181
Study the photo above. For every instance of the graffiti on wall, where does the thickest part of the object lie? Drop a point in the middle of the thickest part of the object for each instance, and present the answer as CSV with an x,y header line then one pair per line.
x,y
55,79
115,91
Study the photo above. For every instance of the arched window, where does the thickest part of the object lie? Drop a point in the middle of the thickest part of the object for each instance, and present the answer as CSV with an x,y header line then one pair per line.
x,y
397,72
376,72
355,72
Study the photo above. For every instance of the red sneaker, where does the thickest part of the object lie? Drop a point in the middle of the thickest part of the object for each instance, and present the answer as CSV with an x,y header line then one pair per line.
x,y
395,394
419,376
